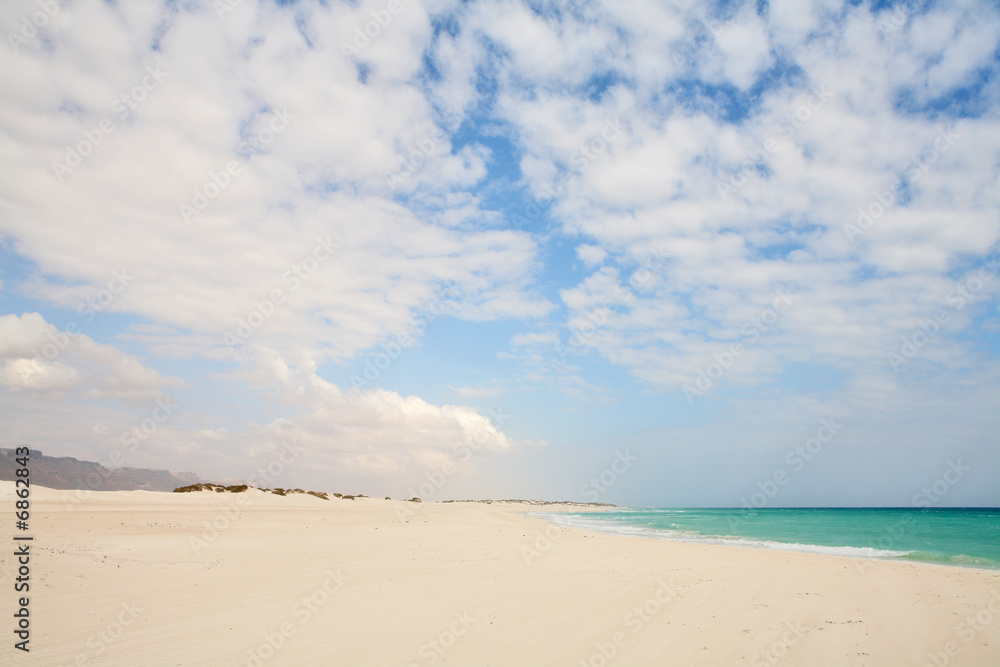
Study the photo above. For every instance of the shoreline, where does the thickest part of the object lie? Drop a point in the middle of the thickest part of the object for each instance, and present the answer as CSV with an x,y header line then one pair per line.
x,y
764,543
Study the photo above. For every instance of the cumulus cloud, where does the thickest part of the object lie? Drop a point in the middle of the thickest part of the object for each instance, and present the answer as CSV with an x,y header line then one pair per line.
x,y
39,357
371,439
263,169
285,195
748,193
252,208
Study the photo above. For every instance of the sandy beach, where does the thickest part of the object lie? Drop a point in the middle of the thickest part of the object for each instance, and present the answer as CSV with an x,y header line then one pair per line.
x,y
141,578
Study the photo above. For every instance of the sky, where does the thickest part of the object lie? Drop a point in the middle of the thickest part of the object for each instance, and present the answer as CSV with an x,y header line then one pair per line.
x,y
645,253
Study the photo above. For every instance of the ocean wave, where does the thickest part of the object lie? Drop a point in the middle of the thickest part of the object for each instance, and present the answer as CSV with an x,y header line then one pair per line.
x,y
961,560
598,525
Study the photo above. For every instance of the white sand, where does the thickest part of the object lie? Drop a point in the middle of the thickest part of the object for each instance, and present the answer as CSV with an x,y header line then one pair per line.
x,y
116,581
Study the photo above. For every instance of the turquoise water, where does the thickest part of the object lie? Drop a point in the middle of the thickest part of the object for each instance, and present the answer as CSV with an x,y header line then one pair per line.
x,y
966,537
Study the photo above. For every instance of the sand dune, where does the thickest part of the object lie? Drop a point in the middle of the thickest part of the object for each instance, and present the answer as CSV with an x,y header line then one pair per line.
x,y
141,578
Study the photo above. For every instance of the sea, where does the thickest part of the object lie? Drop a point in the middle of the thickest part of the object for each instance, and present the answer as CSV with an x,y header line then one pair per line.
x,y
967,537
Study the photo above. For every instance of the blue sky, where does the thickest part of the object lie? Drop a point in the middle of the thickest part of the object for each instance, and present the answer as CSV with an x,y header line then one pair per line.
x,y
509,240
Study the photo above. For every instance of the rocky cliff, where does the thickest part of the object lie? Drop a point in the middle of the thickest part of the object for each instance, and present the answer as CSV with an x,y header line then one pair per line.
x,y
65,472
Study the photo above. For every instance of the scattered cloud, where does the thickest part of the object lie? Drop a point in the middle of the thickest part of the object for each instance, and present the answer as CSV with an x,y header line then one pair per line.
x,y
265,198
39,357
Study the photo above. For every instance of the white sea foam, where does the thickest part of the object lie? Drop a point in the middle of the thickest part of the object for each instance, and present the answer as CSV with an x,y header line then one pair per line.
x,y
603,526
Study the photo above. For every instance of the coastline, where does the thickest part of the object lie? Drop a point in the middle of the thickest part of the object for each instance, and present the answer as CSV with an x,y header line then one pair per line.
x,y
297,580
893,551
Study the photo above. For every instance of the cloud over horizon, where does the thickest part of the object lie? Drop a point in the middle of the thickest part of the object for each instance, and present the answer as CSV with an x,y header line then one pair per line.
x,y
614,221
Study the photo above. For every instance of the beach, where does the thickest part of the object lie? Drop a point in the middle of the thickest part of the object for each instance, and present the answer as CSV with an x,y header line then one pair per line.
x,y
143,578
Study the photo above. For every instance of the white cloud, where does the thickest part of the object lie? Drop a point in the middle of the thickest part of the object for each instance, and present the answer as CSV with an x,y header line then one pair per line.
x,y
744,50
591,255
835,139
368,209
477,392
372,437
323,175
38,357
38,375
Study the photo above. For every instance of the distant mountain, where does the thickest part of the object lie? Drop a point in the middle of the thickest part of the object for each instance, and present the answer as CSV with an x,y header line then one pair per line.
x,y
65,472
